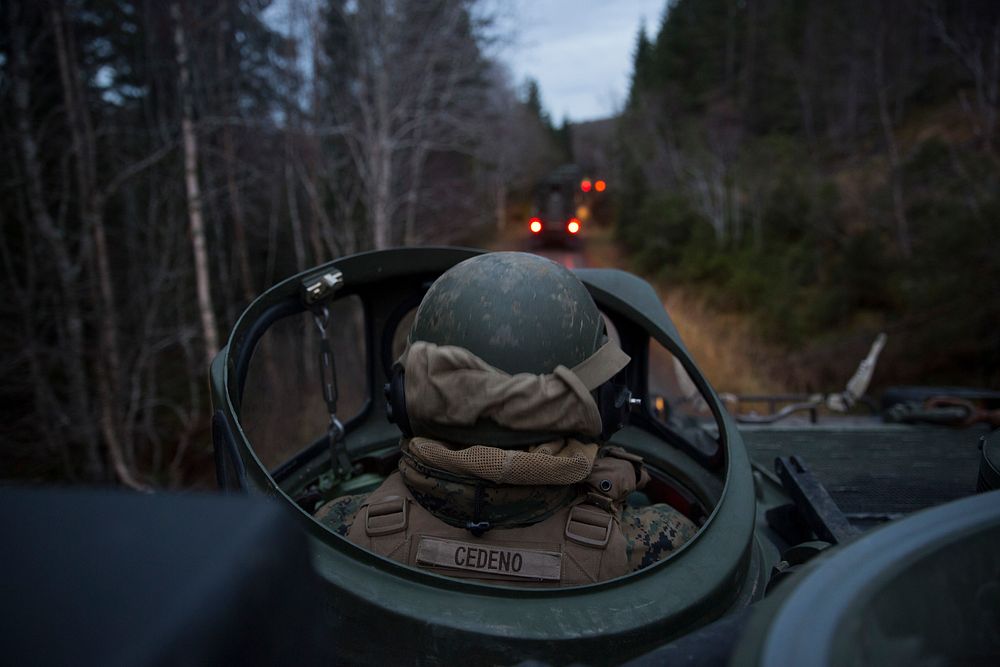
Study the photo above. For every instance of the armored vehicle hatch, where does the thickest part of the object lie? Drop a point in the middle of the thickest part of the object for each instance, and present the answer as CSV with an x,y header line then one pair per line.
x,y
299,416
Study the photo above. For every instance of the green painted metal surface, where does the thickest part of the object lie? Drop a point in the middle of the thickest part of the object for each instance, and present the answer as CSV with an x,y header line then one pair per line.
x,y
924,590
396,613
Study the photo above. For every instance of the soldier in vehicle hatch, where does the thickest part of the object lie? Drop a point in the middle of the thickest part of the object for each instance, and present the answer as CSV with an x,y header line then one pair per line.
x,y
505,399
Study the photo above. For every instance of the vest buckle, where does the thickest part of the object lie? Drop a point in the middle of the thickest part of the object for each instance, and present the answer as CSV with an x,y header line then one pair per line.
x,y
386,517
589,528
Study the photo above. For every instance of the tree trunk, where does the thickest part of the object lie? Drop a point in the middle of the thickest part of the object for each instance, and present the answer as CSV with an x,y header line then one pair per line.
x,y
382,190
236,208
228,103
500,205
321,233
381,144
108,365
380,201
72,353
895,173
749,57
196,223
298,240
413,195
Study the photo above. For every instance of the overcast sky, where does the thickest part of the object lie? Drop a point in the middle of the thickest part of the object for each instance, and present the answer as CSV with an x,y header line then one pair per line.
x,y
579,51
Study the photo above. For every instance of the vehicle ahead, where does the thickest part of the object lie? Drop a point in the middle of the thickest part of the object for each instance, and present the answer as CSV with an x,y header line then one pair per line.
x,y
555,218
275,434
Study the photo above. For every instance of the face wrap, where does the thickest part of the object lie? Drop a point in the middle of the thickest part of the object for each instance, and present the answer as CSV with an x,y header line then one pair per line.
x,y
456,484
558,463
513,487
451,386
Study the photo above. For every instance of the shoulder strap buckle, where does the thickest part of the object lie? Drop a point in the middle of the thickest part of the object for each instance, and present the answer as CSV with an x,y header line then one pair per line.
x,y
386,516
589,527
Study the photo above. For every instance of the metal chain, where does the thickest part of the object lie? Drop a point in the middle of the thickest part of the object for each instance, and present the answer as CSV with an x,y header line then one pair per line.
x,y
339,461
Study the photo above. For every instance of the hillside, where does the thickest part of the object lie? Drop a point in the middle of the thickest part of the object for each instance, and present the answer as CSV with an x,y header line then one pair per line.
x,y
823,171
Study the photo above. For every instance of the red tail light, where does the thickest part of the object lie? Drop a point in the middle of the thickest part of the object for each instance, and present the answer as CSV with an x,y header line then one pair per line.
x,y
585,185
573,226
535,226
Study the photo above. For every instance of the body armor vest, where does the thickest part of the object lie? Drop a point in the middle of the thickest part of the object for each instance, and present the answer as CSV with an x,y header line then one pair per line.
x,y
580,543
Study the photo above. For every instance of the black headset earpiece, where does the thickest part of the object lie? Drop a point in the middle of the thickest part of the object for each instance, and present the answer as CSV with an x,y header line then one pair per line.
x,y
395,400
613,400
614,404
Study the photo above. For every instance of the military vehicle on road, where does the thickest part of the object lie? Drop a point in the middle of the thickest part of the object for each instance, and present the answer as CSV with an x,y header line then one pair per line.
x,y
557,218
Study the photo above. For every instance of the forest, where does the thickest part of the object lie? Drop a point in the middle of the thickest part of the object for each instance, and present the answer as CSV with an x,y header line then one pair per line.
x,y
164,162
829,169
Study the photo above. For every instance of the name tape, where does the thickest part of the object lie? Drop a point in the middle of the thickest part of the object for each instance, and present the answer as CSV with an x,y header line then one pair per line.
x,y
490,558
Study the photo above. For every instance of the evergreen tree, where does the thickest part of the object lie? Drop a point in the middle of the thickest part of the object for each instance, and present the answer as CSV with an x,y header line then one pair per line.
x,y
792,131
533,100
642,67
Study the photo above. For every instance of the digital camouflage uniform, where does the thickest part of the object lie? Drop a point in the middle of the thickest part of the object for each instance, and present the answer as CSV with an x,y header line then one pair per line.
x,y
338,514
653,532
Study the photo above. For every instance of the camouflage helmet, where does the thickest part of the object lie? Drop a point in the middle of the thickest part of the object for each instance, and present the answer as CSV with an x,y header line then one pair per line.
x,y
518,312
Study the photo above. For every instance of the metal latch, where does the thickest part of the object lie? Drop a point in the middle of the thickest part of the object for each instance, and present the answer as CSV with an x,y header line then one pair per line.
x,y
320,287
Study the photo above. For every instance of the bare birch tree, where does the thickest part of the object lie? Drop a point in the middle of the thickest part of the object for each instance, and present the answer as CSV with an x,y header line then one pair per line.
x,y
411,90
196,223
68,266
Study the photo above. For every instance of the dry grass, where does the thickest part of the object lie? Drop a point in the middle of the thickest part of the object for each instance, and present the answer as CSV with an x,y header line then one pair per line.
x,y
737,360
723,345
